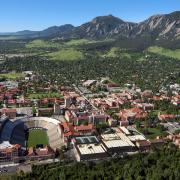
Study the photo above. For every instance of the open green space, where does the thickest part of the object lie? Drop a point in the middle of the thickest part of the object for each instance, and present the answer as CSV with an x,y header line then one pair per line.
x,y
165,52
75,42
11,75
37,136
154,132
43,95
42,44
66,54
117,52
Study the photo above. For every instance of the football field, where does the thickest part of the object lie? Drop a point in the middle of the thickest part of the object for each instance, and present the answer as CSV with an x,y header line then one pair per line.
x,y
36,137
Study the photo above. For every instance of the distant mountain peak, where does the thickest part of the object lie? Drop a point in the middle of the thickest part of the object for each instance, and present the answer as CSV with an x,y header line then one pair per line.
x,y
108,18
160,26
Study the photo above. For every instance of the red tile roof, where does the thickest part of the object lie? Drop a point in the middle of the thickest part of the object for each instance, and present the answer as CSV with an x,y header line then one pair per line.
x,y
166,116
84,127
9,110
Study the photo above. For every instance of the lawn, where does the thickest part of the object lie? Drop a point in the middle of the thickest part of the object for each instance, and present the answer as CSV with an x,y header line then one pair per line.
x,y
11,75
37,136
43,95
76,42
165,52
154,132
42,44
116,52
66,54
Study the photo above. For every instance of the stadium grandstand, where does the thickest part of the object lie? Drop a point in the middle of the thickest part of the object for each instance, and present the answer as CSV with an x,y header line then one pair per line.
x,y
17,131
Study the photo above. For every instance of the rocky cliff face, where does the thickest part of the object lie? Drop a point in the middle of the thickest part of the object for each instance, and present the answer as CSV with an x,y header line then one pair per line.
x,y
104,27
165,26
159,26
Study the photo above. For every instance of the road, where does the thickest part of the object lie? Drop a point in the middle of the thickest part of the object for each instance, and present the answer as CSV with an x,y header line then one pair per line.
x,y
8,168
82,95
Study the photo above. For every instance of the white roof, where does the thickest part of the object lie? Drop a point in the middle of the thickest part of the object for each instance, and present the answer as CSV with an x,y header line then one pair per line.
x,y
125,138
114,140
136,137
125,130
5,144
91,148
116,143
110,136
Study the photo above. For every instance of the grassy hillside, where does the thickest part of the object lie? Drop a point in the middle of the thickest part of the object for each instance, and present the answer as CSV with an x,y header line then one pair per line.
x,y
76,42
116,52
57,50
66,54
165,52
42,44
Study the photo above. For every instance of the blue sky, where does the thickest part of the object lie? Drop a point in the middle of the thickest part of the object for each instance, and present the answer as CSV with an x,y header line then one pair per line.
x,y
18,15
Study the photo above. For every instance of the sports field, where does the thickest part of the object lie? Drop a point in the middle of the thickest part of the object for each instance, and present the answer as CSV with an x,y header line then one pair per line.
x,y
37,136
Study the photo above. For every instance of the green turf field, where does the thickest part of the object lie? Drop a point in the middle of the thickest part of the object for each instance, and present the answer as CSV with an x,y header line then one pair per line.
x,y
37,136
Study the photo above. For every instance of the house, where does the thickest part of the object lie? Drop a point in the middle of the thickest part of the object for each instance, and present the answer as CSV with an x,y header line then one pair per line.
x,y
166,117
1,98
147,94
82,119
175,139
112,87
124,123
68,130
175,100
157,142
40,151
143,145
132,114
52,100
10,113
89,83
11,102
98,118
112,122
70,115
8,152
145,106
85,129
45,111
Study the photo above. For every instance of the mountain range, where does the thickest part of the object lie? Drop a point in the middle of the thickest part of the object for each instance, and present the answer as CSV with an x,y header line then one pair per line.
x,y
165,26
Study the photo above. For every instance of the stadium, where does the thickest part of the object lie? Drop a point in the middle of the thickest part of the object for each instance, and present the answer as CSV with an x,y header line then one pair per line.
x,y
32,132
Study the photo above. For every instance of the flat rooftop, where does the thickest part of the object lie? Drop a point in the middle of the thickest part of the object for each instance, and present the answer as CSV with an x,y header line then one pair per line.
x,y
110,136
91,148
86,140
137,137
116,143
125,130
114,140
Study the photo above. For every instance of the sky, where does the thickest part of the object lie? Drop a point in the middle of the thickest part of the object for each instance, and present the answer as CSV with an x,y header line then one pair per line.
x,y
16,15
